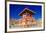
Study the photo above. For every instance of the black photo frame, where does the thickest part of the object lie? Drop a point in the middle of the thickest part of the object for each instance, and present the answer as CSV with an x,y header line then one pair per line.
x,y
23,2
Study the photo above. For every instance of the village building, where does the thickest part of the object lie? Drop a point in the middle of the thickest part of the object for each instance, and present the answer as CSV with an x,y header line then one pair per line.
x,y
27,19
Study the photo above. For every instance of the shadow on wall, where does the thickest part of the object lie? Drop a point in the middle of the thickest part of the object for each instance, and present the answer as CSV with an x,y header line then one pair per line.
x,y
12,32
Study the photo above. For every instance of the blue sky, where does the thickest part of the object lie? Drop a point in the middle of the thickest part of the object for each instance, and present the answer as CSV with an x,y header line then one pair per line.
x,y
15,9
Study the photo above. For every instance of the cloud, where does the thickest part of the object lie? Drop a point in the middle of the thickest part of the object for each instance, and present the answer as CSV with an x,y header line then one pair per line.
x,y
39,20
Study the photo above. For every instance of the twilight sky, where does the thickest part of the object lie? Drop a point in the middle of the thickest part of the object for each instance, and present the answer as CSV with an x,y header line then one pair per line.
x,y
15,9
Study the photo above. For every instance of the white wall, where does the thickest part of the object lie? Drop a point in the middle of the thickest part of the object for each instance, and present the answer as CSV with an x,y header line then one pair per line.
x,y
2,10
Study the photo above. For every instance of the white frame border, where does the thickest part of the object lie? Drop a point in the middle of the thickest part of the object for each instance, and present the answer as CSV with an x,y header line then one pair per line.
x,y
18,29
